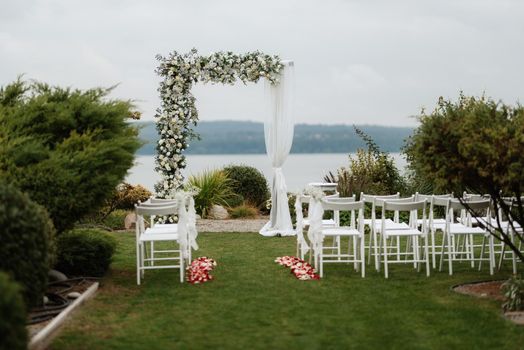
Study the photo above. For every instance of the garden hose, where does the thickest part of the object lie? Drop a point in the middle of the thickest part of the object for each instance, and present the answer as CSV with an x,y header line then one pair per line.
x,y
57,302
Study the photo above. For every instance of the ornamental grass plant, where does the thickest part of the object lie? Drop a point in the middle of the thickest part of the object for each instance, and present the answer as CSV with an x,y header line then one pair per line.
x,y
214,187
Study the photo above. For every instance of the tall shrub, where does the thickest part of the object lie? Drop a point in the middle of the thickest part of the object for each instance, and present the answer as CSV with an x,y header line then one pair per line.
x,y
13,334
68,149
26,248
473,144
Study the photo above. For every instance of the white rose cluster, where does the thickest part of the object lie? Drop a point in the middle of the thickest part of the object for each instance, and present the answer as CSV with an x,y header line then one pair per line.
x,y
177,114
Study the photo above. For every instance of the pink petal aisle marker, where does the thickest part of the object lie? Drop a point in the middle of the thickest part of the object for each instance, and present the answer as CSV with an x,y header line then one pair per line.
x,y
301,269
198,271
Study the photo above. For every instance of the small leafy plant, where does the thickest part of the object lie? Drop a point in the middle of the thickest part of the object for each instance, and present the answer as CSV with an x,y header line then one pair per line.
x,y
513,290
244,211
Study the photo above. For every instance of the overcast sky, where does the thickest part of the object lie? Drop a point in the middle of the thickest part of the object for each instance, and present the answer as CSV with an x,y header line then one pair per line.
x,y
374,62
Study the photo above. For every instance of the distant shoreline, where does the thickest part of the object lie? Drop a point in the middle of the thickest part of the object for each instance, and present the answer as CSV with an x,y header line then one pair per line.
x,y
247,137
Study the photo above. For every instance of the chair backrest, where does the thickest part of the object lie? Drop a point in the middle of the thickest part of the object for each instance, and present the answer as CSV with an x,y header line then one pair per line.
x,y
406,205
161,200
340,199
402,205
370,198
347,205
472,204
356,209
156,210
380,202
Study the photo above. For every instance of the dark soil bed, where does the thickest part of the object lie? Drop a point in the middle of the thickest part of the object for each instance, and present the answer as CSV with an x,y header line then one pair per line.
x,y
488,289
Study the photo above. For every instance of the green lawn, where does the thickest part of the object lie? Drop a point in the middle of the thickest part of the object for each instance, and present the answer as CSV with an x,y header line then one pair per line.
x,y
255,303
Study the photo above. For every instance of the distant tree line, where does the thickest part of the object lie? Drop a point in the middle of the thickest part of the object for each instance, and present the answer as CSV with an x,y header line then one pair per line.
x,y
242,137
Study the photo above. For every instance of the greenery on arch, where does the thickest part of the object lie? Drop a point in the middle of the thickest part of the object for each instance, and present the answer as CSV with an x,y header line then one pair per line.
x,y
177,114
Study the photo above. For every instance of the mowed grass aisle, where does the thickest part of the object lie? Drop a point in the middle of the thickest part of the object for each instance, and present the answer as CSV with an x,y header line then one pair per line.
x,y
254,303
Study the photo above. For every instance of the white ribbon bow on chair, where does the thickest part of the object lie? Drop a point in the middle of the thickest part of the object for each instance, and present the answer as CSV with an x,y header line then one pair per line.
x,y
304,247
316,212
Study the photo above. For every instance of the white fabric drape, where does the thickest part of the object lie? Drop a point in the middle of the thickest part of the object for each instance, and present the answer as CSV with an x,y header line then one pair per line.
x,y
278,132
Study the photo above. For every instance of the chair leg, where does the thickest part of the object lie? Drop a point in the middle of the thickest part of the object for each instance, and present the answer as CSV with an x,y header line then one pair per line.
x,y
444,240
513,256
502,253
376,248
321,261
370,254
451,255
471,250
491,255
338,247
355,251
152,247
433,257
426,253
182,265
138,260
362,254
385,240
398,248
482,252
142,257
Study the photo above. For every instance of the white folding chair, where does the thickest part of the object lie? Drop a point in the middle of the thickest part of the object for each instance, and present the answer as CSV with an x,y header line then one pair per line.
x,y
375,225
466,251
159,234
434,224
192,233
413,233
354,232
513,230
303,223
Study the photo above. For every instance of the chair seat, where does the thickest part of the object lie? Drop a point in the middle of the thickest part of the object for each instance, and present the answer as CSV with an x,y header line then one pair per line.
x,y
341,231
435,221
391,225
159,234
505,224
328,222
370,221
459,229
166,226
408,232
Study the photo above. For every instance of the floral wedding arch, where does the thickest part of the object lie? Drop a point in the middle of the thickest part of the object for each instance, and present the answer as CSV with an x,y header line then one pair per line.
x,y
177,114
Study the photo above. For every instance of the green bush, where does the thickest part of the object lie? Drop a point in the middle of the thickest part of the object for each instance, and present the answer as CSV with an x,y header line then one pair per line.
x,y
85,252
13,333
125,196
370,171
68,149
243,211
473,144
115,220
26,248
214,187
250,183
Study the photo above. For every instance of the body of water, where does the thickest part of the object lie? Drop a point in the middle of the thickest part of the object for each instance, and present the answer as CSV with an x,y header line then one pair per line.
x,y
299,169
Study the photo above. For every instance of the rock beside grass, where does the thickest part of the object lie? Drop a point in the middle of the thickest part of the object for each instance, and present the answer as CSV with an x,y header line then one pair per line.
x,y
56,276
218,212
130,221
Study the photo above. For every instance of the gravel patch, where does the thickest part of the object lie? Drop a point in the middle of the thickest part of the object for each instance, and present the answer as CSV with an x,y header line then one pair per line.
x,y
237,225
